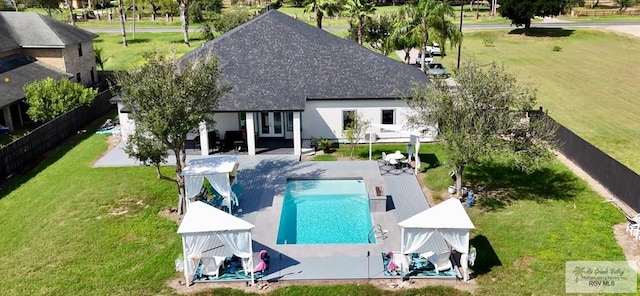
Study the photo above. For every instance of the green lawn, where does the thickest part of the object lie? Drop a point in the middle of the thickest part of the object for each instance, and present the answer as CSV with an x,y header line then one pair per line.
x,y
590,85
527,226
533,224
120,58
69,229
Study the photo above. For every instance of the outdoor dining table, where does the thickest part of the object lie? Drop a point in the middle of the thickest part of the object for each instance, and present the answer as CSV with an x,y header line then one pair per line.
x,y
396,156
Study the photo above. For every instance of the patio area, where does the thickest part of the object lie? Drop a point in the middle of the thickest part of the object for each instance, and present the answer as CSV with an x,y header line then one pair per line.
x,y
264,177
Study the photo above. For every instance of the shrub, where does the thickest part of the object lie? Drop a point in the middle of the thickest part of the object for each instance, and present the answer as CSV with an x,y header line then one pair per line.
x,y
324,144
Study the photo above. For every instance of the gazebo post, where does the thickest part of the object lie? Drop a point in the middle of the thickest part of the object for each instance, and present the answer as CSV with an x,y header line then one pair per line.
x,y
185,266
251,258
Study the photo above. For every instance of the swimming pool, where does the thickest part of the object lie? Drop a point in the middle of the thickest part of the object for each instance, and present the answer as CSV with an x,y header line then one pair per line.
x,y
325,212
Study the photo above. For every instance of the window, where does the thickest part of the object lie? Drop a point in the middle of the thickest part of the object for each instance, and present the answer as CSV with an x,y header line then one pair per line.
x,y
388,116
347,118
79,49
289,121
78,78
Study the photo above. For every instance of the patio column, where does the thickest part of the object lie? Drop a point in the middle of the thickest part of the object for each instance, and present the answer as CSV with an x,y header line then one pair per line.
x,y
6,111
297,138
251,134
204,138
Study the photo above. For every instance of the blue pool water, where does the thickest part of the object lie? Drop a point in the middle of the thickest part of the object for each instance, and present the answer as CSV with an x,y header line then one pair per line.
x,y
325,212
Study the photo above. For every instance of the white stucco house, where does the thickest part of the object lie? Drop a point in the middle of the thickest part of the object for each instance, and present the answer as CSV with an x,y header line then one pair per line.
x,y
292,82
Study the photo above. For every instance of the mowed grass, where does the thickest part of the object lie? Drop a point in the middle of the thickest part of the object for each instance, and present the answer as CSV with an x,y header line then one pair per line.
x,y
527,226
130,57
590,85
70,229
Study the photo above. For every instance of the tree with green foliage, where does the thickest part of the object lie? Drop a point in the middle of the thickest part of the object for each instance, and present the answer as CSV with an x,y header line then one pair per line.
x,y
358,10
624,4
15,4
168,99
430,22
48,5
184,18
400,39
321,8
521,12
484,116
49,98
70,9
376,32
229,19
123,31
355,131
100,58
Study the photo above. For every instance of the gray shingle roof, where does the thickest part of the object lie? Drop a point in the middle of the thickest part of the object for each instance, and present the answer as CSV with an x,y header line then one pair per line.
x,y
32,30
275,62
30,70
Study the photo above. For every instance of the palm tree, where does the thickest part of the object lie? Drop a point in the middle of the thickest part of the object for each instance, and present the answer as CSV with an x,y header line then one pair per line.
x,y
400,38
321,7
358,10
427,23
122,28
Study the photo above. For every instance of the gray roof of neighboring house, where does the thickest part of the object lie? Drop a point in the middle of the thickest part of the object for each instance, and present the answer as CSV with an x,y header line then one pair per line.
x,y
20,70
32,30
275,62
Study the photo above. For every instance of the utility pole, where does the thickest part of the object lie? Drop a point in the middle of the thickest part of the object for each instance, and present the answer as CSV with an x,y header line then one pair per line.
x,y
460,42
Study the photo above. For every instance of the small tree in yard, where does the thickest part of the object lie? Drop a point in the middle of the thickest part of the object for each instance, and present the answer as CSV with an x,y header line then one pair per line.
x,y
167,101
355,131
49,98
484,117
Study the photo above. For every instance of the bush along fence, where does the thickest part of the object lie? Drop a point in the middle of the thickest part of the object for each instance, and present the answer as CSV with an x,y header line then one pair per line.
x,y
621,181
22,153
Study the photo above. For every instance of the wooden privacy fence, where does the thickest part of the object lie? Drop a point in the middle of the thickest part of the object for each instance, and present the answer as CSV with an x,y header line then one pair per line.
x,y
20,154
621,181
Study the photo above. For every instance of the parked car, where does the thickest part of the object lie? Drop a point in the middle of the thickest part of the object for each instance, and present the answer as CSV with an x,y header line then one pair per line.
x,y
434,49
437,70
428,59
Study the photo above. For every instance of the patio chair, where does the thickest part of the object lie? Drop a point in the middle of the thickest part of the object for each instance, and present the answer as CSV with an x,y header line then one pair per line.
x,y
236,193
211,266
441,261
384,157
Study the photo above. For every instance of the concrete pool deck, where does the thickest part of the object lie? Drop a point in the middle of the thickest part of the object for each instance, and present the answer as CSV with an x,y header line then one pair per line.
x,y
264,177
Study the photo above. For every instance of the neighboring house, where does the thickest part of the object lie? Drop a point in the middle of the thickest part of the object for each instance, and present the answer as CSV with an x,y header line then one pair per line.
x,y
293,82
33,47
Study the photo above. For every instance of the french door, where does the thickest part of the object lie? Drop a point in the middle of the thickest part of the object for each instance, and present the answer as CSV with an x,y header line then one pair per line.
x,y
271,124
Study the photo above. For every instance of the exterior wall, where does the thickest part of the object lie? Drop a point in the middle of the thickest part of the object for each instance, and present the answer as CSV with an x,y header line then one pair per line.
x,y
49,56
226,122
323,118
127,125
9,52
73,63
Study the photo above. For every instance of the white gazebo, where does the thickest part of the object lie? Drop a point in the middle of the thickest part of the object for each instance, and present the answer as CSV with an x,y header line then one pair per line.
x,y
219,170
205,228
447,220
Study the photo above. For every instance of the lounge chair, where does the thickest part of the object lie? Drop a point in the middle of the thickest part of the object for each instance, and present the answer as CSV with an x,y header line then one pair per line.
x,y
211,265
441,261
